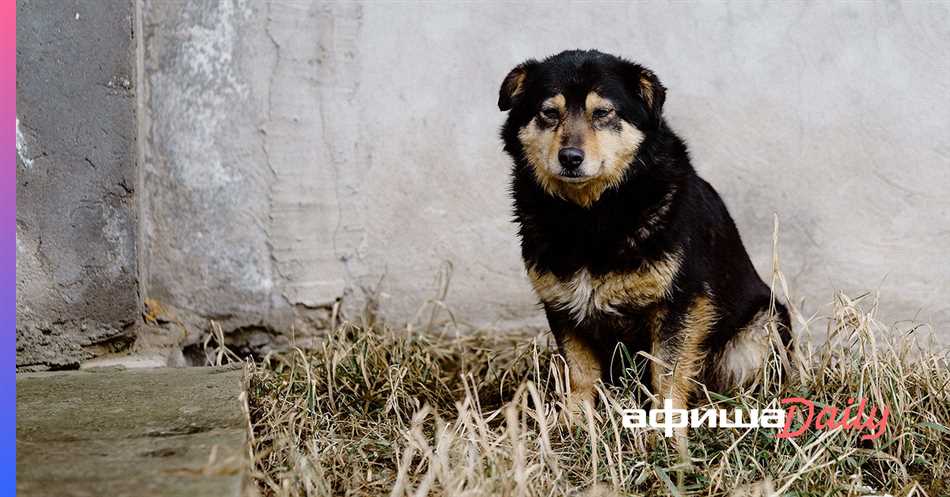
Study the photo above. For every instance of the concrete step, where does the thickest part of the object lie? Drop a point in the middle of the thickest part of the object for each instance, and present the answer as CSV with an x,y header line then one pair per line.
x,y
117,432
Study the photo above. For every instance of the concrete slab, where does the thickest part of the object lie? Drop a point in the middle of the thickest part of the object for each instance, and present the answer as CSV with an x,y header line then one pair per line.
x,y
76,212
116,432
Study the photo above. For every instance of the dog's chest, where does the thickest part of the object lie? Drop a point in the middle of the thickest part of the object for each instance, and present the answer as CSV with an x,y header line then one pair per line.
x,y
585,296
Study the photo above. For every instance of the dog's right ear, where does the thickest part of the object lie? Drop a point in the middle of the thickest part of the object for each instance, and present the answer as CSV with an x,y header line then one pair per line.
x,y
513,85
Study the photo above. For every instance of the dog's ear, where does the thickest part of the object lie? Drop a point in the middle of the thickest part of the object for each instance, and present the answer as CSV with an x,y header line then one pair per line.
x,y
652,92
514,85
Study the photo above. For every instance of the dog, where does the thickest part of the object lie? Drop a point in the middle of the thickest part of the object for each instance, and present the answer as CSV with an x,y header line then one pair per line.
x,y
623,242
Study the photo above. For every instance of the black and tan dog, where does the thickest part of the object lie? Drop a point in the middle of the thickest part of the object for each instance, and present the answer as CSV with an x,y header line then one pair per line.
x,y
622,240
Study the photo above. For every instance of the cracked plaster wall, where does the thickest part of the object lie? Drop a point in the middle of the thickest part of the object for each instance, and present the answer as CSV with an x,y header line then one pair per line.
x,y
299,151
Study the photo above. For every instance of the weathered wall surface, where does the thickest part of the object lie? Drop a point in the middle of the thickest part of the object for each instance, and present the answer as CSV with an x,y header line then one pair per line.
x,y
298,151
77,283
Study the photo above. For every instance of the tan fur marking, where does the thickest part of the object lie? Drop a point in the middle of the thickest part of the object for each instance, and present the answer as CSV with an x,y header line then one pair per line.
x,y
655,217
687,356
685,360
608,152
514,84
646,88
656,324
595,101
583,295
557,101
639,288
584,367
657,318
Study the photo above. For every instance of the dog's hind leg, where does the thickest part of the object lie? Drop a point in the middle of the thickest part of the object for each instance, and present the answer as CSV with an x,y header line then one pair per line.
x,y
740,362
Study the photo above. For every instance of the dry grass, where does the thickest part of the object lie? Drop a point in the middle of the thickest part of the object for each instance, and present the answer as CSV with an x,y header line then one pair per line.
x,y
376,411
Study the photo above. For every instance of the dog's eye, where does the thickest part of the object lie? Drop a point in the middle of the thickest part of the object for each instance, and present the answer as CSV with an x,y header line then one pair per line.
x,y
550,113
601,113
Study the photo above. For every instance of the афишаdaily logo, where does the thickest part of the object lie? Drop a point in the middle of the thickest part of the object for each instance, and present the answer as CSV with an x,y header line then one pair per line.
x,y
669,418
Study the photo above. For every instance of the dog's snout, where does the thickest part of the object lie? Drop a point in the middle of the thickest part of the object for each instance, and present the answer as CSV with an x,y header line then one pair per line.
x,y
571,157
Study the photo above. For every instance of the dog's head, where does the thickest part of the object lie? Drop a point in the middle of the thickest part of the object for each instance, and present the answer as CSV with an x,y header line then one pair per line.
x,y
579,118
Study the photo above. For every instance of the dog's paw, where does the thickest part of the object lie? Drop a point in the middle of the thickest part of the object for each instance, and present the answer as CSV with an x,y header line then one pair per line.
x,y
578,408
597,490
761,488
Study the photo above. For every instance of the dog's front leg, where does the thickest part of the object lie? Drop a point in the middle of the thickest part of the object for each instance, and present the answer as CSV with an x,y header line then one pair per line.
x,y
683,352
682,348
584,365
584,369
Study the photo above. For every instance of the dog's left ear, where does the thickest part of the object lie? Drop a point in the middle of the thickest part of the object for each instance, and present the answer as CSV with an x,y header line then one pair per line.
x,y
652,92
513,85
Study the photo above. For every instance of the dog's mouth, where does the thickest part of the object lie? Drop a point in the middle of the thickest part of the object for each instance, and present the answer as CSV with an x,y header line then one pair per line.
x,y
575,176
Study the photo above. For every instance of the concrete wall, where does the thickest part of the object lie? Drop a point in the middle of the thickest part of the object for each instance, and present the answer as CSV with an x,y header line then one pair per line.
x,y
77,280
298,151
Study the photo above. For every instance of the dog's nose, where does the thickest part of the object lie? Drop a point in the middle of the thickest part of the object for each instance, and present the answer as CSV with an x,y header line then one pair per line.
x,y
570,157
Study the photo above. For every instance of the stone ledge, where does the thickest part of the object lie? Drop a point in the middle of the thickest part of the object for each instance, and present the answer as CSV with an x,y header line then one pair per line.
x,y
117,432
